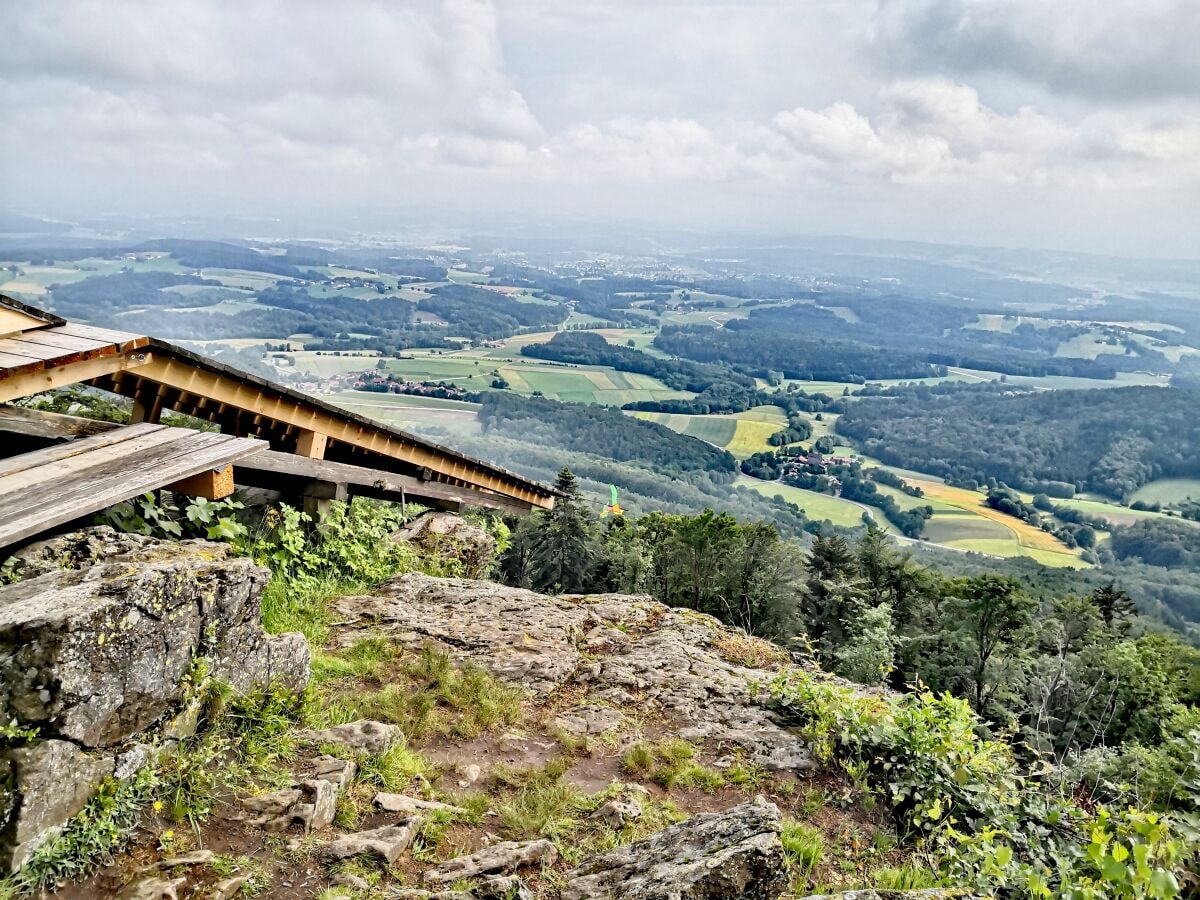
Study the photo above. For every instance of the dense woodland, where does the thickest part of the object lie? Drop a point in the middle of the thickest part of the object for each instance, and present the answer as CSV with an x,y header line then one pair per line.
x,y
1109,441
761,353
937,329
600,430
480,314
1159,542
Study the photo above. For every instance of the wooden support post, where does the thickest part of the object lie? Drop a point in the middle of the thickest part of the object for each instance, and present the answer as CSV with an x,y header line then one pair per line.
x,y
319,494
139,412
211,485
311,444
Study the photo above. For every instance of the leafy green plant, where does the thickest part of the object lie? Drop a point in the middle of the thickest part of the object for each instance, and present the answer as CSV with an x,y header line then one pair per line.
x,y
160,517
989,825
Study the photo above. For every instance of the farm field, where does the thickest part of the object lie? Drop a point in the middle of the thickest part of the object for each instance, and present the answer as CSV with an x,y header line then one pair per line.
x,y
1117,515
1068,382
816,505
742,434
474,370
1169,490
978,527
413,413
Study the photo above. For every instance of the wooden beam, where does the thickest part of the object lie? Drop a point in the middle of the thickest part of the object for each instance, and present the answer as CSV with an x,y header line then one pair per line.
x,y
211,484
26,384
288,472
261,400
52,426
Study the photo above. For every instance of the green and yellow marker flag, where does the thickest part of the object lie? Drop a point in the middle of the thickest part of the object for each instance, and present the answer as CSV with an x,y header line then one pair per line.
x,y
614,507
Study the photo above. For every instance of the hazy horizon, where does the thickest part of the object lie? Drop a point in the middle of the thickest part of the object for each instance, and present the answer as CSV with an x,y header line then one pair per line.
x,y
999,124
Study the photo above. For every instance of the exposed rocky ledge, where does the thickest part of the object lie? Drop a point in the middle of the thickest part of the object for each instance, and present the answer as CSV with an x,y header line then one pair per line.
x,y
100,642
625,650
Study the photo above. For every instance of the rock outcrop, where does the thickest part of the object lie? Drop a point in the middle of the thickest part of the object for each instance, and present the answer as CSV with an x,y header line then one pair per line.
x,y
104,639
448,537
661,659
736,853
506,856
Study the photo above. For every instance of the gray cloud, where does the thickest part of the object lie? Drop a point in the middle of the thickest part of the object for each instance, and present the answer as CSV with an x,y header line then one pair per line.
x,y
1122,50
694,109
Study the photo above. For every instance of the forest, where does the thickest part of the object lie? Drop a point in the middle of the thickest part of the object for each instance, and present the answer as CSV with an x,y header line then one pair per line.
x,y
1111,441
1159,542
600,430
935,329
586,348
761,353
484,315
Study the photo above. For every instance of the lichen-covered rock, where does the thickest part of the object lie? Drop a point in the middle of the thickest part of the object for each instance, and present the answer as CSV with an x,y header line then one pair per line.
x,y
363,736
450,537
506,856
387,843
152,888
97,655
43,785
736,853
667,661
76,550
402,803
311,804
101,641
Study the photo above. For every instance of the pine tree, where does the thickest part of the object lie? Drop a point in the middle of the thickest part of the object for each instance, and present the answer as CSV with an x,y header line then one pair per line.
x,y
1115,606
564,549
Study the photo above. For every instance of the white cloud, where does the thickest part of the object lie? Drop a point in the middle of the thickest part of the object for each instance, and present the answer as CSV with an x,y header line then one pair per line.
x,y
768,100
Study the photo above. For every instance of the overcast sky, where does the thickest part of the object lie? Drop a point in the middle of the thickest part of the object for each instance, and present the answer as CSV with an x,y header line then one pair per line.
x,y
1071,123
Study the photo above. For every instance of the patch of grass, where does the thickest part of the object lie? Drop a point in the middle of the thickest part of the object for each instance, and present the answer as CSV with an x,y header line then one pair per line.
x,y
750,651
193,779
803,847
750,777
290,606
393,770
543,808
911,876
441,698
670,763
366,658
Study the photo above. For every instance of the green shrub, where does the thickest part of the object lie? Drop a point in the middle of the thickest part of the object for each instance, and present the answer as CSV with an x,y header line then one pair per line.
x,y
989,825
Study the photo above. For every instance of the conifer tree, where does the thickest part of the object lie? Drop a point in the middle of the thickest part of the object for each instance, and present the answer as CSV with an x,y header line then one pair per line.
x,y
564,551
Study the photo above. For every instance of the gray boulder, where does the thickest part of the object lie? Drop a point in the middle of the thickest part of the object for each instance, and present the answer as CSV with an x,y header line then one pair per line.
x,y
666,661
44,784
447,536
506,856
97,655
93,657
387,843
363,736
736,853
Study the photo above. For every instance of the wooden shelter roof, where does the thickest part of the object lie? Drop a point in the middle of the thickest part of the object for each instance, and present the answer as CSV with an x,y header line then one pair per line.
x,y
40,351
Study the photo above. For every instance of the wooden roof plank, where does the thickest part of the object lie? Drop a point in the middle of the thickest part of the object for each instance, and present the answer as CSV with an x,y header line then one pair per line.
x,y
111,480
50,425
55,337
124,340
10,360
64,467
62,451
